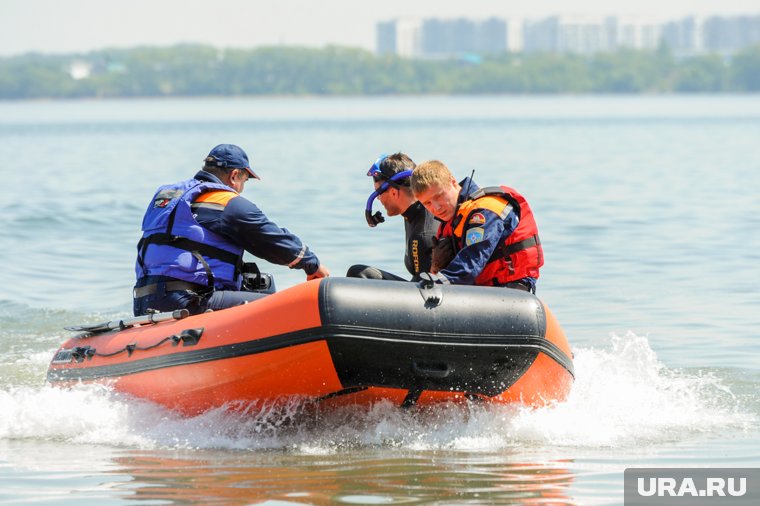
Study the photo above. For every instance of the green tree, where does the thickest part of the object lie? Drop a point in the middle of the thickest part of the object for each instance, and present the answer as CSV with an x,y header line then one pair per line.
x,y
700,74
197,70
745,70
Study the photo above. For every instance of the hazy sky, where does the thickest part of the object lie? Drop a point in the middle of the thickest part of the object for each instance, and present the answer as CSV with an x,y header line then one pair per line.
x,y
81,25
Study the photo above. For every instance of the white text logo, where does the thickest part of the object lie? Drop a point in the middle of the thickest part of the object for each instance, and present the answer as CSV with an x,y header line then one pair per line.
x,y
670,487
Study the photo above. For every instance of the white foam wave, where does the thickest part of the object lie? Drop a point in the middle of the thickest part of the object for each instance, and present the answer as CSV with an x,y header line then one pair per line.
x,y
626,396
622,396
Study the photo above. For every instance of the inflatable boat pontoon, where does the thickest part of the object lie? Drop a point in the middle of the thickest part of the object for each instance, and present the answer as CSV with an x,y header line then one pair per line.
x,y
335,340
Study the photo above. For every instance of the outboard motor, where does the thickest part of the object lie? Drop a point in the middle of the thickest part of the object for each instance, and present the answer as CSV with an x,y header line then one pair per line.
x,y
256,281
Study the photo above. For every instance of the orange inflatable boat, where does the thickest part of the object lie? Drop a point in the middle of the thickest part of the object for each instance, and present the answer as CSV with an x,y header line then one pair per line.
x,y
333,341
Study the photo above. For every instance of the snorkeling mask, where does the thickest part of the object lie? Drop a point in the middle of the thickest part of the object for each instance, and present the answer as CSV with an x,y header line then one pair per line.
x,y
374,219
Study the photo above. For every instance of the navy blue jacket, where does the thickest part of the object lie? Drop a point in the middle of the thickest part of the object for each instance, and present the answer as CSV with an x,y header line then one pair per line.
x,y
247,225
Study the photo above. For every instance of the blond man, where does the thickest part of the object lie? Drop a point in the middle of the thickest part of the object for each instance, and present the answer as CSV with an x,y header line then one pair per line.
x,y
491,231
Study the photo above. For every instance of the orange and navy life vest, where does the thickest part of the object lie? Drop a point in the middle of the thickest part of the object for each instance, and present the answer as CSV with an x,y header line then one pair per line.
x,y
174,244
520,255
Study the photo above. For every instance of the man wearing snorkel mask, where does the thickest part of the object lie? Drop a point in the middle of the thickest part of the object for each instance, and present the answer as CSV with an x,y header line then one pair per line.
x,y
390,175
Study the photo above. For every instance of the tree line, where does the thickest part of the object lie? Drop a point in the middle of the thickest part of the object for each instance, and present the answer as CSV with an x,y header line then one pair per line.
x,y
197,70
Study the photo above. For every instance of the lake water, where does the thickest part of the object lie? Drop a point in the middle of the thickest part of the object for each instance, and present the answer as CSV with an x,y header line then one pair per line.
x,y
650,218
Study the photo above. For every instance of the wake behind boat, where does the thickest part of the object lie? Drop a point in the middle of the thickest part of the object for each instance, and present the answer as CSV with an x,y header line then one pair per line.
x,y
333,341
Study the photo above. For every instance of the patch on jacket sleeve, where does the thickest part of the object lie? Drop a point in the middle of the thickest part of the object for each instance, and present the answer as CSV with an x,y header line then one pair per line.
x,y
477,219
163,197
474,235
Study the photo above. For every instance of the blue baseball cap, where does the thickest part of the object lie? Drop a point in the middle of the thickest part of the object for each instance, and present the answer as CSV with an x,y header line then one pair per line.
x,y
230,156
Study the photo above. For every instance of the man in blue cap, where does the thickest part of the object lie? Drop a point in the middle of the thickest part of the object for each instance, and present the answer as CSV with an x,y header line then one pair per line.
x,y
194,235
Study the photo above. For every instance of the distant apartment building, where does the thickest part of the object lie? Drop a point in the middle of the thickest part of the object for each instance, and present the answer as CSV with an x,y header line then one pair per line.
x,y
386,37
80,69
685,37
568,34
589,34
515,35
720,35
400,37
726,36
637,33
445,38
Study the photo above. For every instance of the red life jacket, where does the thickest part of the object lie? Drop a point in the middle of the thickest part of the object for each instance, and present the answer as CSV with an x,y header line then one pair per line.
x,y
520,255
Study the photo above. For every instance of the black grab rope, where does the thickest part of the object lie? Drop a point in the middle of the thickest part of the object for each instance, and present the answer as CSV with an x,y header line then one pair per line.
x,y
188,337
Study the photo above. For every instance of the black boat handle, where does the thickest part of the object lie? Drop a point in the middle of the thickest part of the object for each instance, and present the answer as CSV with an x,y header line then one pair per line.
x,y
432,293
423,370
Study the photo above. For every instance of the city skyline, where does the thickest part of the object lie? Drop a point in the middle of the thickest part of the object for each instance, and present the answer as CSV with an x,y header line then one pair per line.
x,y
468,38
87,25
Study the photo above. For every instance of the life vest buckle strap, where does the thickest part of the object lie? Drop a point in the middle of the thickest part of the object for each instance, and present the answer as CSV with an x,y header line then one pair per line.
x,y
169,286
521,245
192,246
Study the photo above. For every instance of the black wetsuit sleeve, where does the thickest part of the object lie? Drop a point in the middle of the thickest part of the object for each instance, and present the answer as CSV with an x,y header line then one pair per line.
x,y
420,229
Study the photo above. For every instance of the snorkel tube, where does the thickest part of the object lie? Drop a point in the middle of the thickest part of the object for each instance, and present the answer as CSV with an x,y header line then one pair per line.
x,y
374,219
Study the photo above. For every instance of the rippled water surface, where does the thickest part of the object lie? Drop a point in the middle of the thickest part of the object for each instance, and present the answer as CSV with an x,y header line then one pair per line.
x,y
650,222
